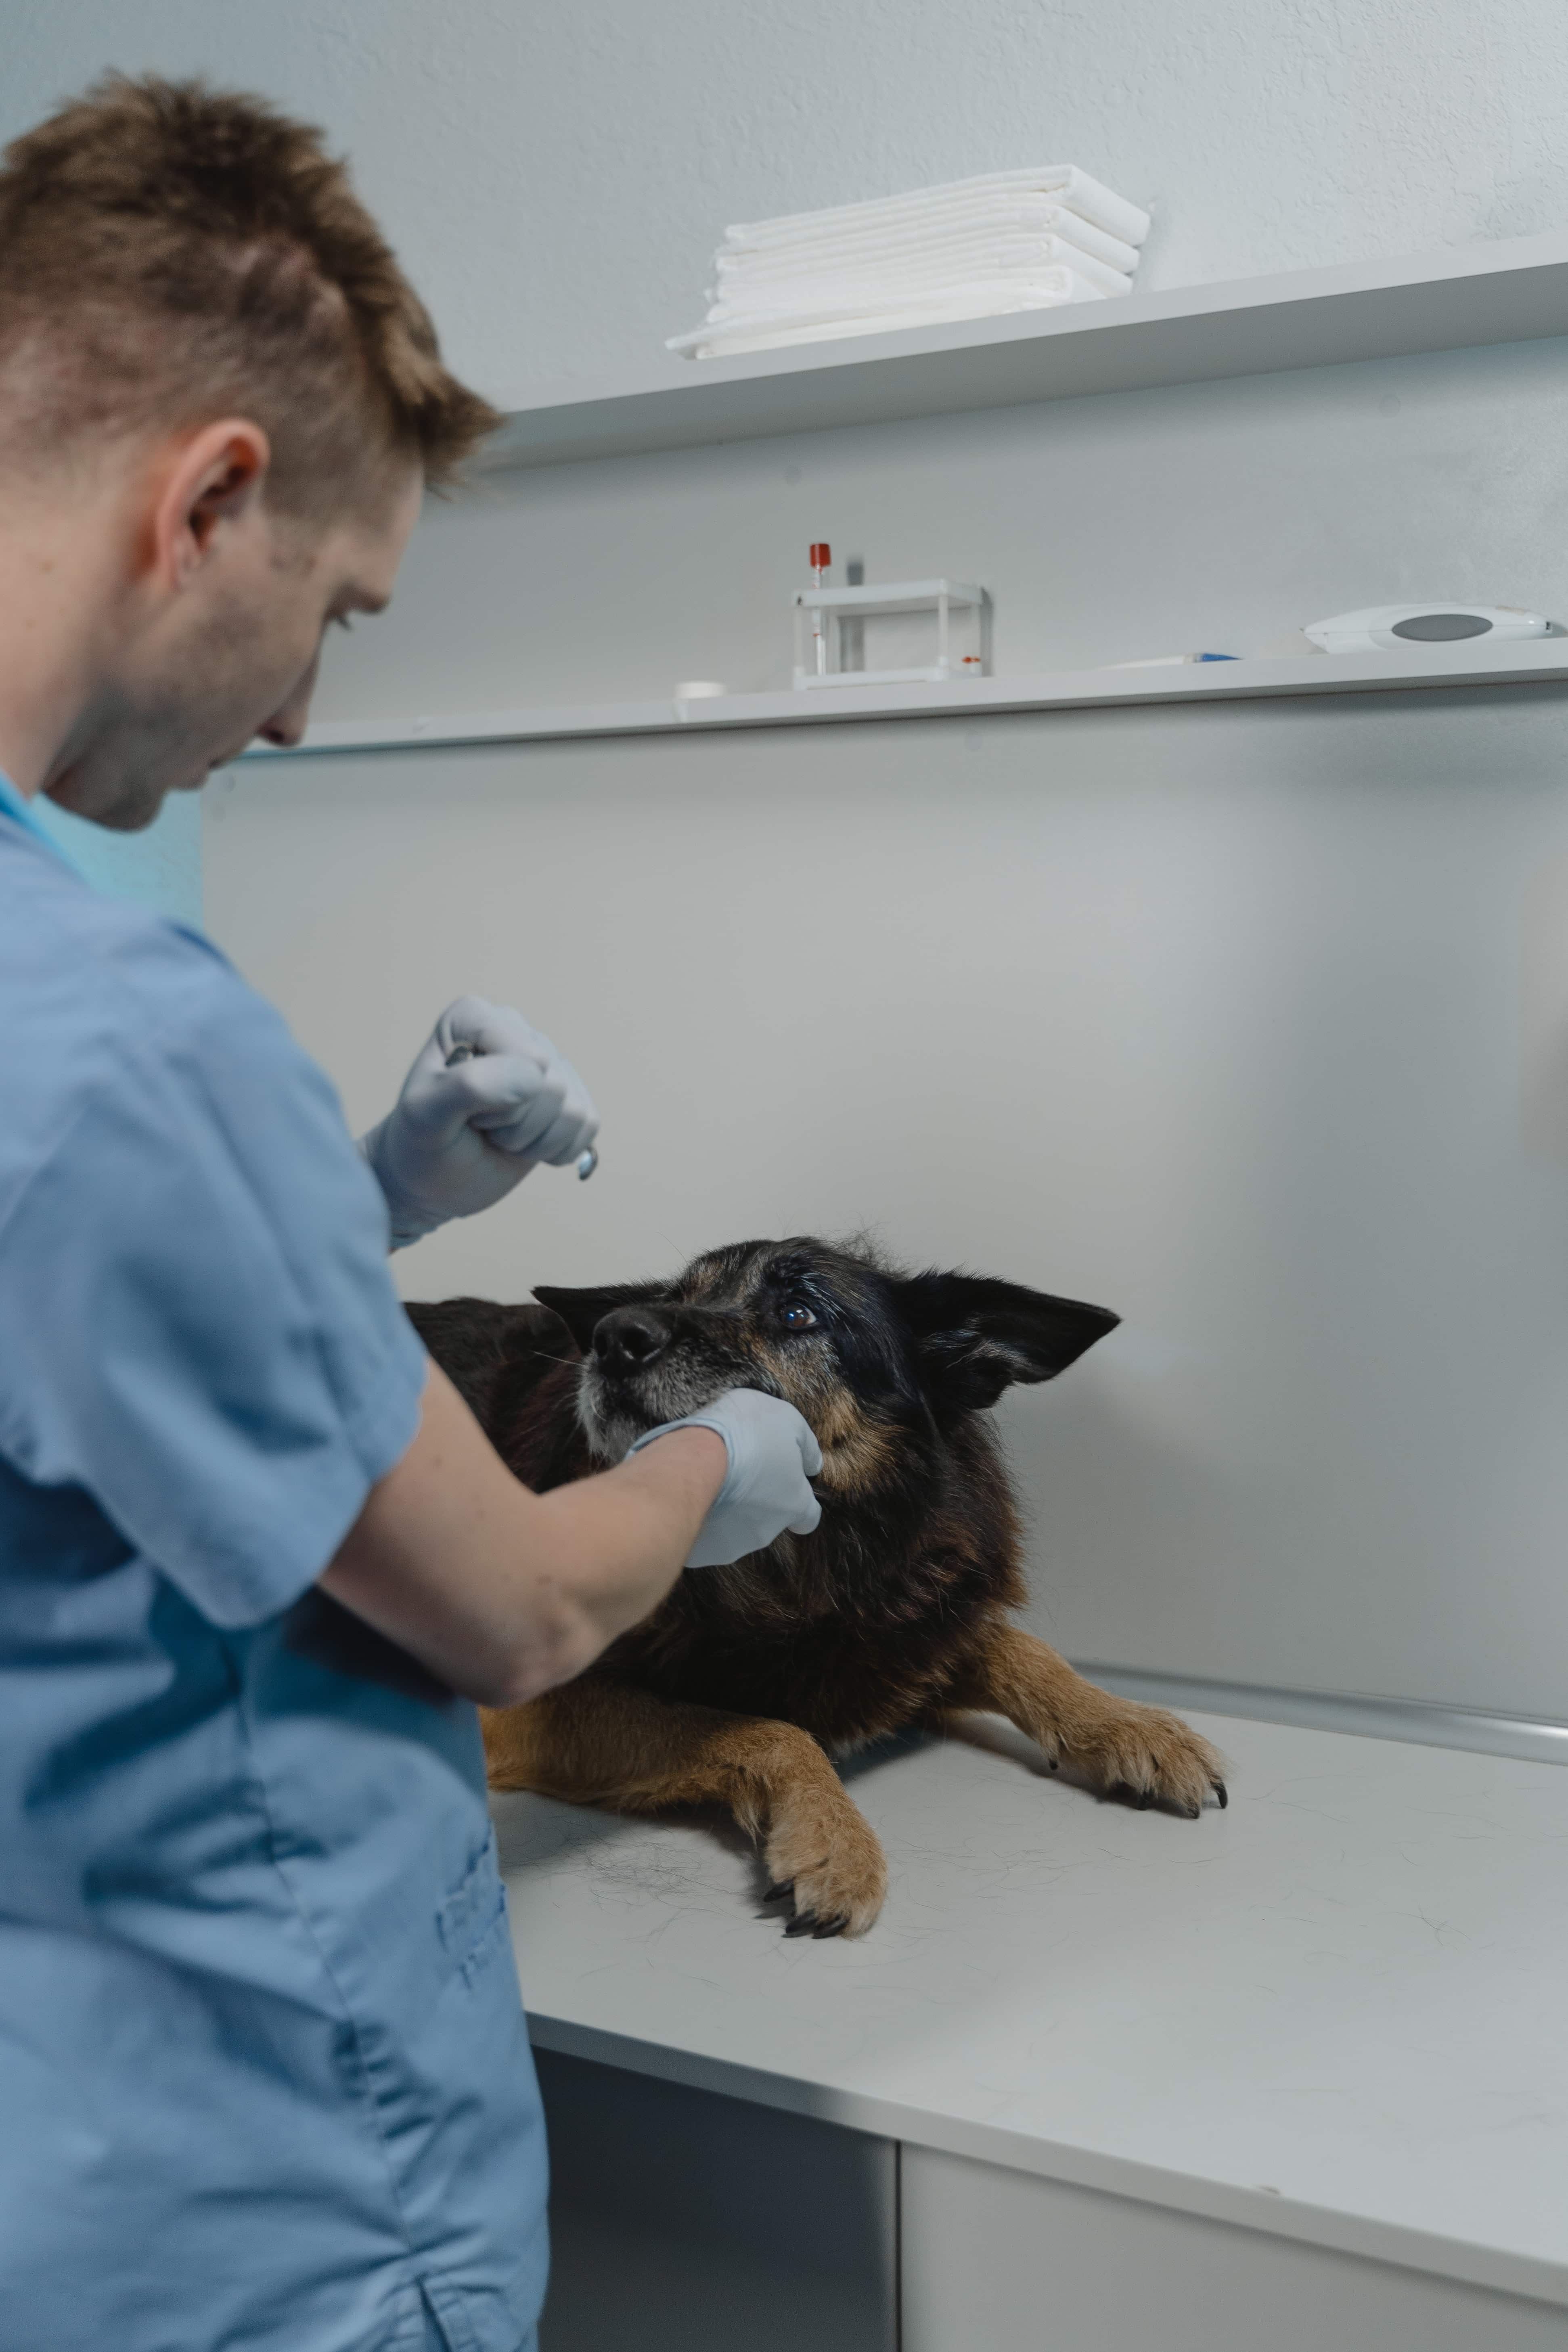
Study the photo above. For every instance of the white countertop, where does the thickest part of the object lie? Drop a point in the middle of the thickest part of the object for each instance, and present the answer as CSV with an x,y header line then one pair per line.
x,y
1338,2011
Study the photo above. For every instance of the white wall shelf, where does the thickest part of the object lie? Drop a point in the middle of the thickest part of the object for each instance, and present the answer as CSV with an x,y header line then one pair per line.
x,y
1512,290
1524,662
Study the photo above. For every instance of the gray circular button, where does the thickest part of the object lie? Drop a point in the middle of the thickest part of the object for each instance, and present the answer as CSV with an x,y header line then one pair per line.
x,y
1437,628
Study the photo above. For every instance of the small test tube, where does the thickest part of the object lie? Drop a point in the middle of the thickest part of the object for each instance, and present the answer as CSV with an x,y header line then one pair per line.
x,y
821,557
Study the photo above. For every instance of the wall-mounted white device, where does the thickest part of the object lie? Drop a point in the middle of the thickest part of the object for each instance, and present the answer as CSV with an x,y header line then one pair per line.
x,y
1393,628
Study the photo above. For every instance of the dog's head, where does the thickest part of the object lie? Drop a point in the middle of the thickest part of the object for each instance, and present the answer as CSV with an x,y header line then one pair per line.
x,y
863,1352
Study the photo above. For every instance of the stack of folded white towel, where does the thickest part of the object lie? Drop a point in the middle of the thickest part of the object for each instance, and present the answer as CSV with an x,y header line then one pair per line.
x,y
1025,240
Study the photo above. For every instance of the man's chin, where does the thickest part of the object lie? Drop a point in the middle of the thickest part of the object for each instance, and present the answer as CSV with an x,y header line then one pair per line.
x,y
115,816
118,807
130,805
134,815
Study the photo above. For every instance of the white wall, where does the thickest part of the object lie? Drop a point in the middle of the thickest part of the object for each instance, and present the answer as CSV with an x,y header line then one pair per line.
x,y
1251,1022
1213,516
1213,1017
555,175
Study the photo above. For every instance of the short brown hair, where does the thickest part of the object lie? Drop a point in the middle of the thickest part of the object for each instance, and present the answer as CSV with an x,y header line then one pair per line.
x,y
170,254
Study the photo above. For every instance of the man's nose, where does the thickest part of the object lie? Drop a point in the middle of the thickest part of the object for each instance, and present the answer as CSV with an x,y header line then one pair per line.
x,y
630,1337
287,726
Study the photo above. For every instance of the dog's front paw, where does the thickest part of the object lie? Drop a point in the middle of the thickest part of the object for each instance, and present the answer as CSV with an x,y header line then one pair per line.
x,y
1124,1744
822,1849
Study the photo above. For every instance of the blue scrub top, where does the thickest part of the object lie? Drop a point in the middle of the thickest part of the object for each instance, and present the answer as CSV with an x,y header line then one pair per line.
x,y
264,2083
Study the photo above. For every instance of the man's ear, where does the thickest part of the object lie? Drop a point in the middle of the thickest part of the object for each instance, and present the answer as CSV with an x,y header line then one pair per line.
x,y
581,1311
215,475
975,1336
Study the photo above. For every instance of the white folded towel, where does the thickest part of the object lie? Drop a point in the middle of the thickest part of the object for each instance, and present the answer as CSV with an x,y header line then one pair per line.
x,y
1000,242
845,288
979,224
979,298
1079,190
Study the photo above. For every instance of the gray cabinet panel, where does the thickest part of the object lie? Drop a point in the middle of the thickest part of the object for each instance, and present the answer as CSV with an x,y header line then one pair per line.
x,y
1000,2262
683,2222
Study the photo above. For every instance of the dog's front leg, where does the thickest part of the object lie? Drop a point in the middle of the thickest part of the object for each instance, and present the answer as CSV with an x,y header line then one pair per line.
x,y
600,1742
1115,1742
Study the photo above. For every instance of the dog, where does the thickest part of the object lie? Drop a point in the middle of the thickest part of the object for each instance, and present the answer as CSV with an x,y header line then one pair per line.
x,y
746,1680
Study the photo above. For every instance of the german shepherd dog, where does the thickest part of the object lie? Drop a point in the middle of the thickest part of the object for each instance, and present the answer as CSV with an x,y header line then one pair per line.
x,y
747,1679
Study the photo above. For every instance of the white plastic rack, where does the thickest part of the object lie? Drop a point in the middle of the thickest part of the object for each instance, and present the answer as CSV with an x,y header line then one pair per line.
x,y
834,610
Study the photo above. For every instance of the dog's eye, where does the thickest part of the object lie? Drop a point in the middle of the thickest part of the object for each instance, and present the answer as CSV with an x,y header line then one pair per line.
x,y
798,1318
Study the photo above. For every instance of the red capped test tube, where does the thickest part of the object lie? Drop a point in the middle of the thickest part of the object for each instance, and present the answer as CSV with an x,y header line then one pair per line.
x,y
821,557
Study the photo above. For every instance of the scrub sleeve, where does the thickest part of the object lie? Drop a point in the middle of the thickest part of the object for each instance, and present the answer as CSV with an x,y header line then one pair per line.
x,y
200,1329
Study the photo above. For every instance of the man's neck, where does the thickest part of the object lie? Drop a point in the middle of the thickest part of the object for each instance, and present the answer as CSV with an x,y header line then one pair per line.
x,y
53,597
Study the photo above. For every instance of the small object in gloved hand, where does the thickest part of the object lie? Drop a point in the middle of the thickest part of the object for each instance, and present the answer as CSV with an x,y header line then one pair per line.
x,y
488,1098
587,1161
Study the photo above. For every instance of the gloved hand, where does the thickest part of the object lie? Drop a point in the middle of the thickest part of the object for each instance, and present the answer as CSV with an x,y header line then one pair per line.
x,y
461,1137
772,1455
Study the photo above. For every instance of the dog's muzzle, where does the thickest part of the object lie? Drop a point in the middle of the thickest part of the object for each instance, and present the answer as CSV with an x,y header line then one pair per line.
x,y
630,1339
645,1365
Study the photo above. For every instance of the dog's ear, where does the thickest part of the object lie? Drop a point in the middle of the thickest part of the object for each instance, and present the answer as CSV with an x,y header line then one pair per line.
x,y
580,1310
975,1336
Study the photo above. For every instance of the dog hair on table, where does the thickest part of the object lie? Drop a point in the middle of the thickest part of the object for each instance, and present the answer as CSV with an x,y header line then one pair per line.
x,y
746,1681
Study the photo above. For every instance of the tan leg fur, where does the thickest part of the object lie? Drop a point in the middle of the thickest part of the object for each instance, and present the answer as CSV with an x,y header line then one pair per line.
x,y
602,1743
1115,1742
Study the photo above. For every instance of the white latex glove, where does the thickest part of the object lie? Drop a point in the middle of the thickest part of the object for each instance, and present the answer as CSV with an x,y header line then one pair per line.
x,y
772,1454
459,1137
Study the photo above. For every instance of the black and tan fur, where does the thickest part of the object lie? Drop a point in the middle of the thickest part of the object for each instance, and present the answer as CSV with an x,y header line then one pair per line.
x,y
740,1687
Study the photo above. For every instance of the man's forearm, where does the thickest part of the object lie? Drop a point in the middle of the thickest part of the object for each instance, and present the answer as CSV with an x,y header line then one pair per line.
x,y
596,1536
502,1592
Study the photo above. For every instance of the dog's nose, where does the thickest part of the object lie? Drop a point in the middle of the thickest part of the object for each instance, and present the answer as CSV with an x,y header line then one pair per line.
x,y
630,1337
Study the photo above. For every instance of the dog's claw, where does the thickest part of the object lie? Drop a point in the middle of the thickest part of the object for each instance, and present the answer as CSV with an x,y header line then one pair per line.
x,y
1145,1799
804,1924
832,1927
778,1892
1219,1789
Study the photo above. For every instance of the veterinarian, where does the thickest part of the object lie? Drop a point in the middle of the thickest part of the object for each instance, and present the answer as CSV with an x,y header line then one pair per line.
x,y
264,2075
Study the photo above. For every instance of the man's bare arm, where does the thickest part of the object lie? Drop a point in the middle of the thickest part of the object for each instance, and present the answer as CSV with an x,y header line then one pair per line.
x,y
502,1592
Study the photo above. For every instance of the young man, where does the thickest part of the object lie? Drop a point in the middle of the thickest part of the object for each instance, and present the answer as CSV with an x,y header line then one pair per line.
x,y
264,2079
